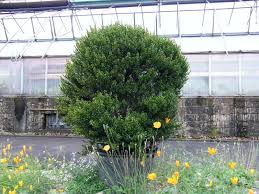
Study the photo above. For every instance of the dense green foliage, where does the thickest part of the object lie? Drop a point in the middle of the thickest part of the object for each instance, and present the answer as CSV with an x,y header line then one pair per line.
x,y
124,78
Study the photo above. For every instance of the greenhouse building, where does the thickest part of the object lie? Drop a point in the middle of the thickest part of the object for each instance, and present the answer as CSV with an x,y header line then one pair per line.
x,y
220,39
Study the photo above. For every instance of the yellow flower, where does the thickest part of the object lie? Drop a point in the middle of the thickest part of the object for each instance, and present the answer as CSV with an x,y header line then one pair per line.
x,y
142,163
212,151
21,153
187,165
4,151
176,174
167,120
9,177
20,183
252,171
21,168
26,164
158,153
24,148
30,148
250,191
234,180
12,192
177,163
4,160
232,165
157,124
4,190
17,160
8,146
30,187
210,183
151,176
60,190
106,148
173,180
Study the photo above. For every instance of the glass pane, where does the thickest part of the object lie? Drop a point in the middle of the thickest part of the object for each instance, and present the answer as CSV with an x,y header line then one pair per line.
x,y
224,86
168,23
56,65
34,76
198,63
250,85
10,77
224,63
250,63
196,86
53,87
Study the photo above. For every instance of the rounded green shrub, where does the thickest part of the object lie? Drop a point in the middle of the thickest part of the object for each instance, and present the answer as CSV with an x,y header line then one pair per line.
x,y
123,78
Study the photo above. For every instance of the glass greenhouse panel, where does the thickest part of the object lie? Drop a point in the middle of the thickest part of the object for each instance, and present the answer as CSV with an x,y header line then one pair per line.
x,y
42,27
10,76
196,22
34,76
196,86
250,63
53,87
167,23
224,86
198,63
250,85
224,63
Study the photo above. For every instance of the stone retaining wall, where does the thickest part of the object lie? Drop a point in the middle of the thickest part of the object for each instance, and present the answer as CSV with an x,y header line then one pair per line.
x,y
227,116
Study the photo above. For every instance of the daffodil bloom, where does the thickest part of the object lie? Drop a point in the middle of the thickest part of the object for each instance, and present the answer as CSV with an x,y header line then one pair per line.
x,y
20,183
252,171
4,190
177,163
151,176
158,153
106,148
8,146
4,160
157,124
234,180
232,165
250,191
17,160
167,120
212,151
187,165
30,187
30,148
173,180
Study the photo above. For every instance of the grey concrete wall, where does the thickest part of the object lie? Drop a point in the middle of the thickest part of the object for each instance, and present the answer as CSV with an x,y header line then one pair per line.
x,y
27,114
226,116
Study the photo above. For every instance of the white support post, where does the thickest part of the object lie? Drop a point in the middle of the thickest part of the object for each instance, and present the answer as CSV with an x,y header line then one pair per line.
x,y
46,76
240,74
22,76
210,84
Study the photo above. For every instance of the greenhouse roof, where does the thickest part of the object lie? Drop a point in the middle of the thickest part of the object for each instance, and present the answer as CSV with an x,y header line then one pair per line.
x,y
200,27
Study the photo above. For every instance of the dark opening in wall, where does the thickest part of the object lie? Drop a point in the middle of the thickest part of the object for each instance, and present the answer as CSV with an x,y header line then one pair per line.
x,y
52,121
